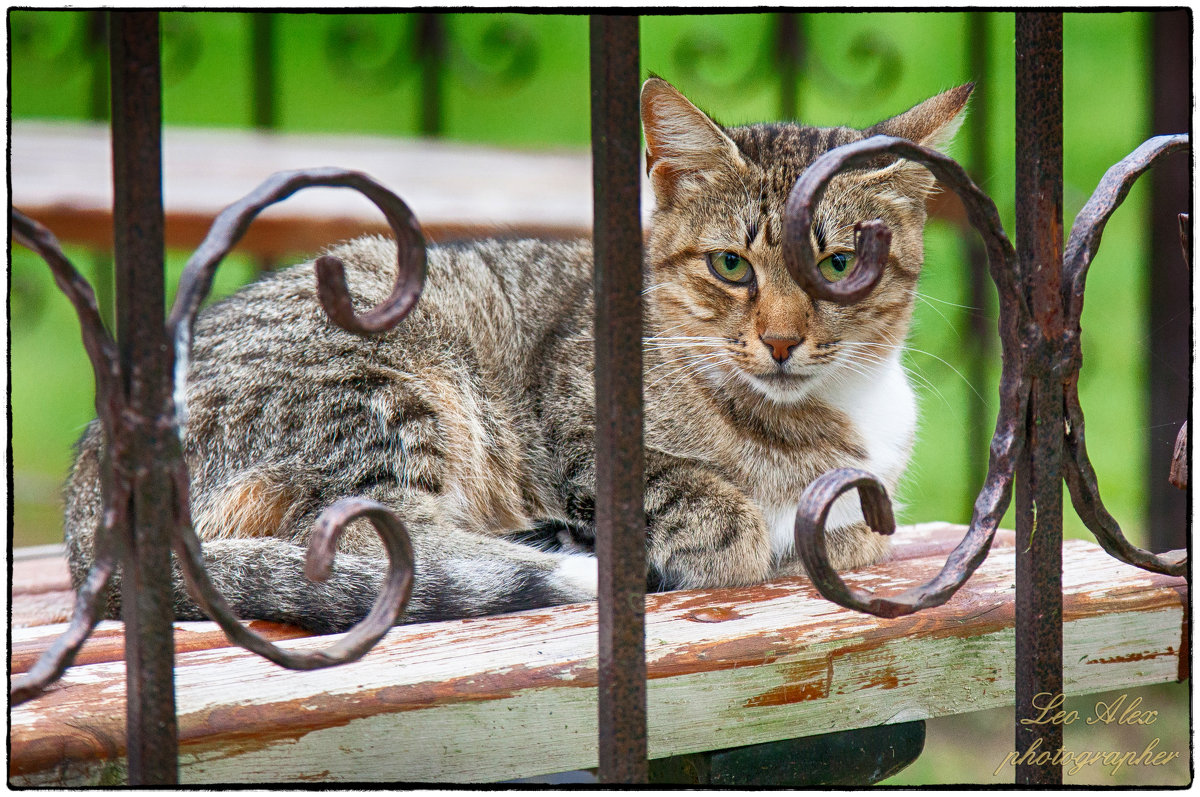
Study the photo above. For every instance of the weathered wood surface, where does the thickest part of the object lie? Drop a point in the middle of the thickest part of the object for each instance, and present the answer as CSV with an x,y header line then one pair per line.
x,y
512,696
62,177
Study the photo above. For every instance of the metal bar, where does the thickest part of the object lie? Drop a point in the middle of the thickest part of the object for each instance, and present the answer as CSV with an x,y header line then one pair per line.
x,y
95,43
141,339
1039,469
620,517
263,57
789,56
1168,331
981,337
431,56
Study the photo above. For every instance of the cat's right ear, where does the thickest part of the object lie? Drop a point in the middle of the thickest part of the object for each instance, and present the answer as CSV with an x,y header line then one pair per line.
x,y
683,145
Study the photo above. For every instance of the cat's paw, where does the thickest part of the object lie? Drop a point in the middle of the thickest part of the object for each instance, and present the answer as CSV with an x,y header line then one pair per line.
x,y
577,578
854,546
731,554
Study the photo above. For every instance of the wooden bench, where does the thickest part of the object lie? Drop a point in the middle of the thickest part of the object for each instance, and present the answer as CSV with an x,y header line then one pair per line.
x,y
62,177
514,695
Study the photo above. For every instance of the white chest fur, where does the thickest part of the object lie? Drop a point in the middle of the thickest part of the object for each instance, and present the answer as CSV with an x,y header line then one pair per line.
x,y
883,411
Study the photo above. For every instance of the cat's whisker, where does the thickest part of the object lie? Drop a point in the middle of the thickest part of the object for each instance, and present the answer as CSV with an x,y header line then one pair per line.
x,y
933,307
694,345
683,370
685,360
861,357
929,298
682,366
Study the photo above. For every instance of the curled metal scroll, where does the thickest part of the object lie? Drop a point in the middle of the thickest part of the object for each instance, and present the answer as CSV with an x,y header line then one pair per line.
x,y
111,403
1077,257
1018,334
871,256
233,221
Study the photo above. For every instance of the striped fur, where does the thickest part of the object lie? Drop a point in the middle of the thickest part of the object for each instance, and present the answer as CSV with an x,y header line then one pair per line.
x,y
474,421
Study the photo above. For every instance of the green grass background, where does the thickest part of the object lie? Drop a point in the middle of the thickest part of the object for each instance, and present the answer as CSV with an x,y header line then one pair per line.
x,y
718,60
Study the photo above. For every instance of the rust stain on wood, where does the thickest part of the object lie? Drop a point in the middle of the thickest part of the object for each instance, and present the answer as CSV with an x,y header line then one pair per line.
x,y
54,745
1145,655
714,614
806,680
705,599
725,654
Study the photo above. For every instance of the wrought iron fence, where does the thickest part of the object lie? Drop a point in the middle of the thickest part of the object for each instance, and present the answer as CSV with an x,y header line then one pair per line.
x,y
427,68
1038,441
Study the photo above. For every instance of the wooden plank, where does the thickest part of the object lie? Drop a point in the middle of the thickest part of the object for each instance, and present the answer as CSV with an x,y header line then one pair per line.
x,y
107,642
468,700
61,176
44,574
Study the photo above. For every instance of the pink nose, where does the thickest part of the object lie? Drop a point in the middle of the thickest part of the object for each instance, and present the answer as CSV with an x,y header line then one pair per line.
x,y
781,348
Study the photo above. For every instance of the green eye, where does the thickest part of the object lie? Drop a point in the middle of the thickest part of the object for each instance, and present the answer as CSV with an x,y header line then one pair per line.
x,y
730,267
837,266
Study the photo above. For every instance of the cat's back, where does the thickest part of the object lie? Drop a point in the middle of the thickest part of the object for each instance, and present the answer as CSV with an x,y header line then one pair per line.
x,y
494,288
273,380
498,300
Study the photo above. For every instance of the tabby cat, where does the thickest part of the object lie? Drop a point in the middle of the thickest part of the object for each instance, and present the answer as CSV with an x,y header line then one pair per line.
x,y
473,419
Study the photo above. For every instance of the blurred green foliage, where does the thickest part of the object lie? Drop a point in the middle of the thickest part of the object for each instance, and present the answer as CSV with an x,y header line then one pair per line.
x,y
521,80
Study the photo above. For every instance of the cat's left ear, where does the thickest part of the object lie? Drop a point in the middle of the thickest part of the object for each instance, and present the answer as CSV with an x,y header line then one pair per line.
x,y
932,124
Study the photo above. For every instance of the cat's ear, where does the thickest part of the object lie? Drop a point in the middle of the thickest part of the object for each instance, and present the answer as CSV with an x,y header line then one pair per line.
x,y
932,124
683,145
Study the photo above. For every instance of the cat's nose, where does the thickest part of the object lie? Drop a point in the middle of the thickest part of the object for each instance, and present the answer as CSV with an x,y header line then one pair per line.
x,y
781,348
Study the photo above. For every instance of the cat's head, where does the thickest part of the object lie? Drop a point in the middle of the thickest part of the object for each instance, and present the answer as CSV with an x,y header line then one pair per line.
x,y
717,288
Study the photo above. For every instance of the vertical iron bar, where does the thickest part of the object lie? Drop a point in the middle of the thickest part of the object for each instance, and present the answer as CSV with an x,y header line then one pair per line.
x,y
264,114
1039,477
95,42
431,56
1169,318
263,57
981,339
620,517
141,337
789,56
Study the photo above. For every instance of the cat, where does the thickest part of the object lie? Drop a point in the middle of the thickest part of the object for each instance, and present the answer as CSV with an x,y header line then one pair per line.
x,y
473,419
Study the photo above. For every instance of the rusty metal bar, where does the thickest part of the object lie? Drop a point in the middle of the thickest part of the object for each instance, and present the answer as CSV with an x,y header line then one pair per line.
x,y
1168,325
431,56
980,340
790,48
264,56
145,541
620,517
1039,469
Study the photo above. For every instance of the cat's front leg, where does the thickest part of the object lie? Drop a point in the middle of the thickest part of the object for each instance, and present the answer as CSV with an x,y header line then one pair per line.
x,y
702,531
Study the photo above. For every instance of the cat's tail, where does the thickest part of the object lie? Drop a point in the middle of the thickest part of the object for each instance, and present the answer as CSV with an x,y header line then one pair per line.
x,y
264,579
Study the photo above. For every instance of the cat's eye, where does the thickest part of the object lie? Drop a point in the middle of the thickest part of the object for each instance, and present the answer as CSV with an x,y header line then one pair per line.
x,y
730,267
837,266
